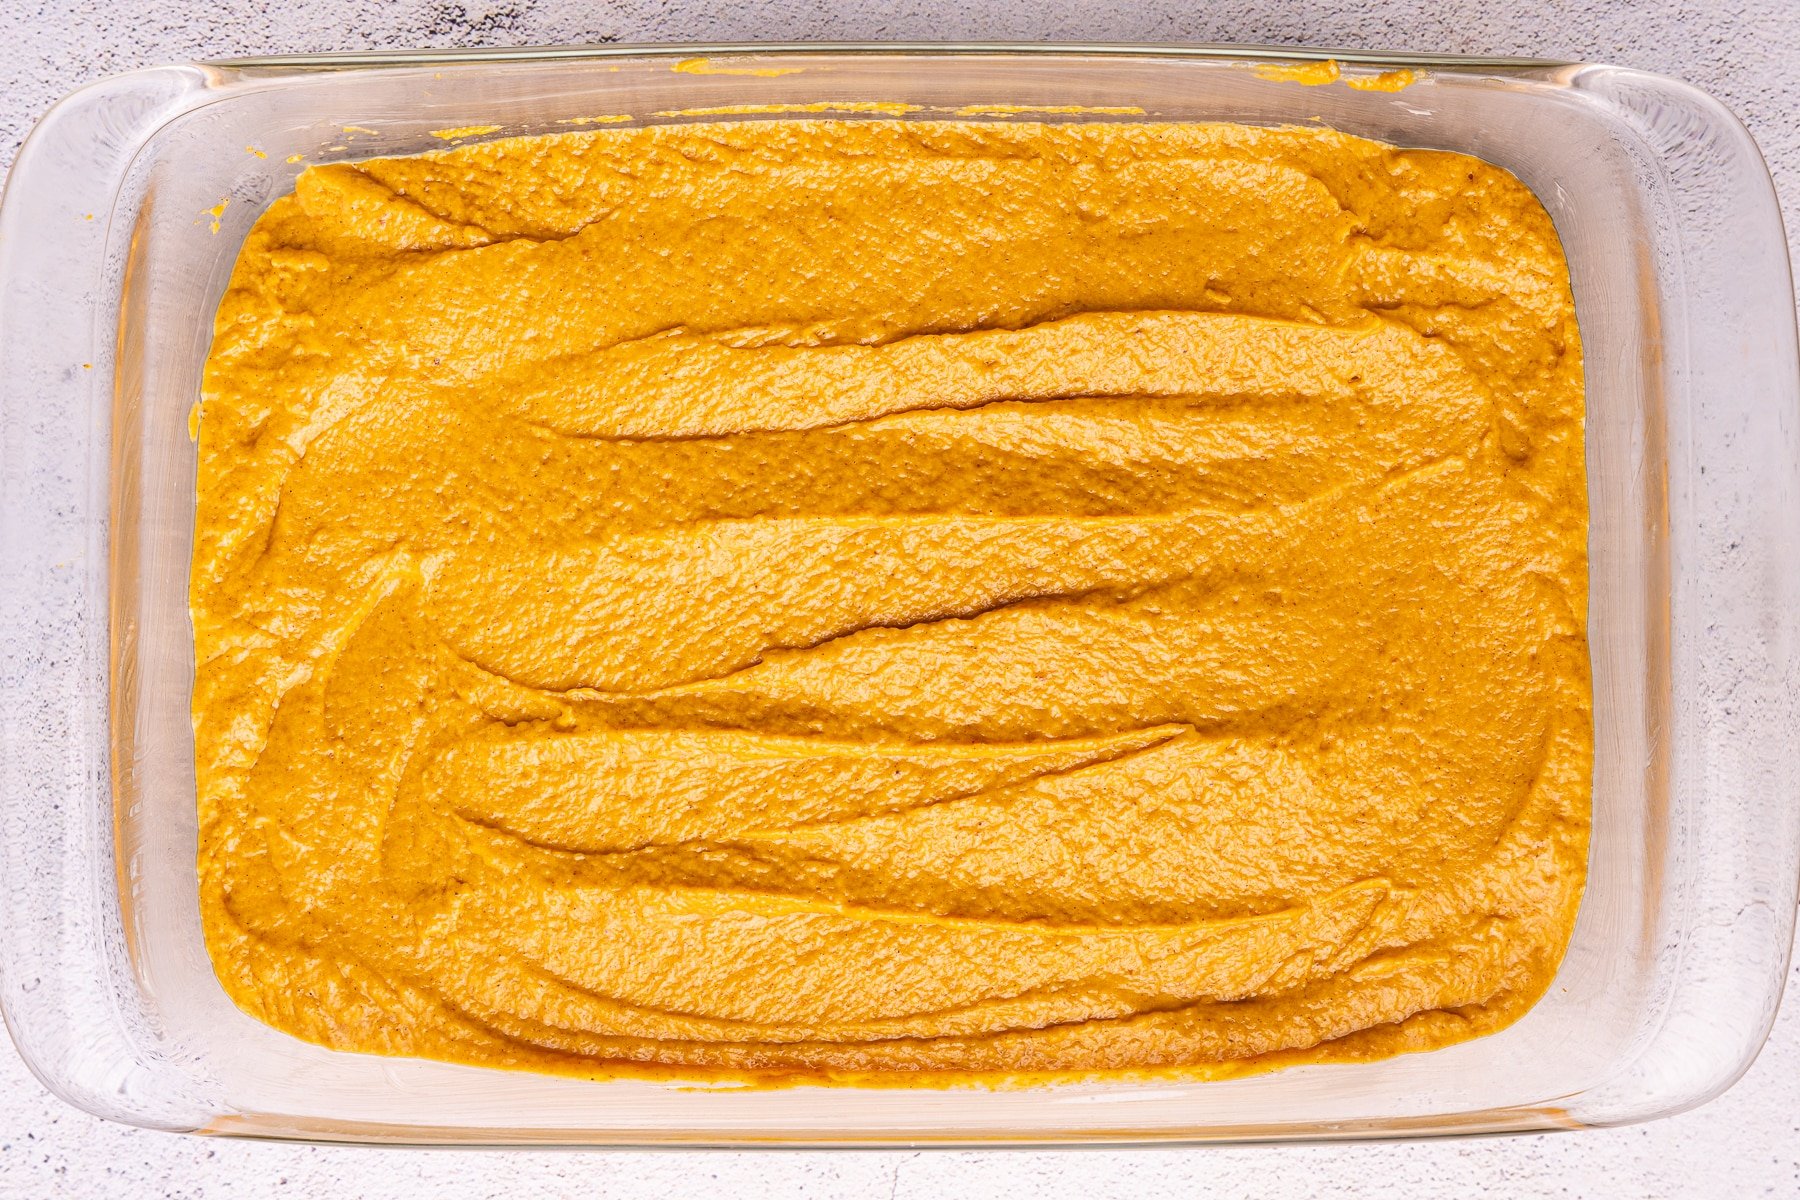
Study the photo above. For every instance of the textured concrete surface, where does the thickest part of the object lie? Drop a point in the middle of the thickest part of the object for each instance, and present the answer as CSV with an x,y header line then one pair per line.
x,y
1745,1144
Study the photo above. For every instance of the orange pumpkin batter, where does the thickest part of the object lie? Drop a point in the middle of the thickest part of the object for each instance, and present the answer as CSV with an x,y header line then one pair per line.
x,y
894,601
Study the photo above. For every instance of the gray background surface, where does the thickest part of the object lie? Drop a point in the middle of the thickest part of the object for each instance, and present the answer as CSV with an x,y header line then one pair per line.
x,y
1747,1143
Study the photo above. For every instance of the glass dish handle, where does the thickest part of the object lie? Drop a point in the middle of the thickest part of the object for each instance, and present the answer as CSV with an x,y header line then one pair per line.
x,y
65,968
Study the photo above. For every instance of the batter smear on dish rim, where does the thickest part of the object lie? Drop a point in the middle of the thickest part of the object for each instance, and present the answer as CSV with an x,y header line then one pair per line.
x,y
894,602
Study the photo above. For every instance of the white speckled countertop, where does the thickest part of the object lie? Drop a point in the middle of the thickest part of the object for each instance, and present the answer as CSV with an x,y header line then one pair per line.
x,y
1747,1143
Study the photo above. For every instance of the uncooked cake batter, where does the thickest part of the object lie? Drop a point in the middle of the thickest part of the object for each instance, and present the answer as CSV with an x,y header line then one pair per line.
x,y
894,601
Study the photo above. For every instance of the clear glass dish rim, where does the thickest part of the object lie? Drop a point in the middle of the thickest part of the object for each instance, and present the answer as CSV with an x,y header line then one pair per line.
x,y
338,60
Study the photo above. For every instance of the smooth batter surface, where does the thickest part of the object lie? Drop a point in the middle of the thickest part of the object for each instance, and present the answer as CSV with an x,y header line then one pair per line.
x,y
922,600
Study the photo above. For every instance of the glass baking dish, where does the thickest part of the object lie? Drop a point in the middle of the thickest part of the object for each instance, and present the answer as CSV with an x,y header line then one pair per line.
x,y
122,219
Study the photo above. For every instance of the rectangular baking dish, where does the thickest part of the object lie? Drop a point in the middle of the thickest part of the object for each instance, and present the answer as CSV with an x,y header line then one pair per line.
x,y
122,219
